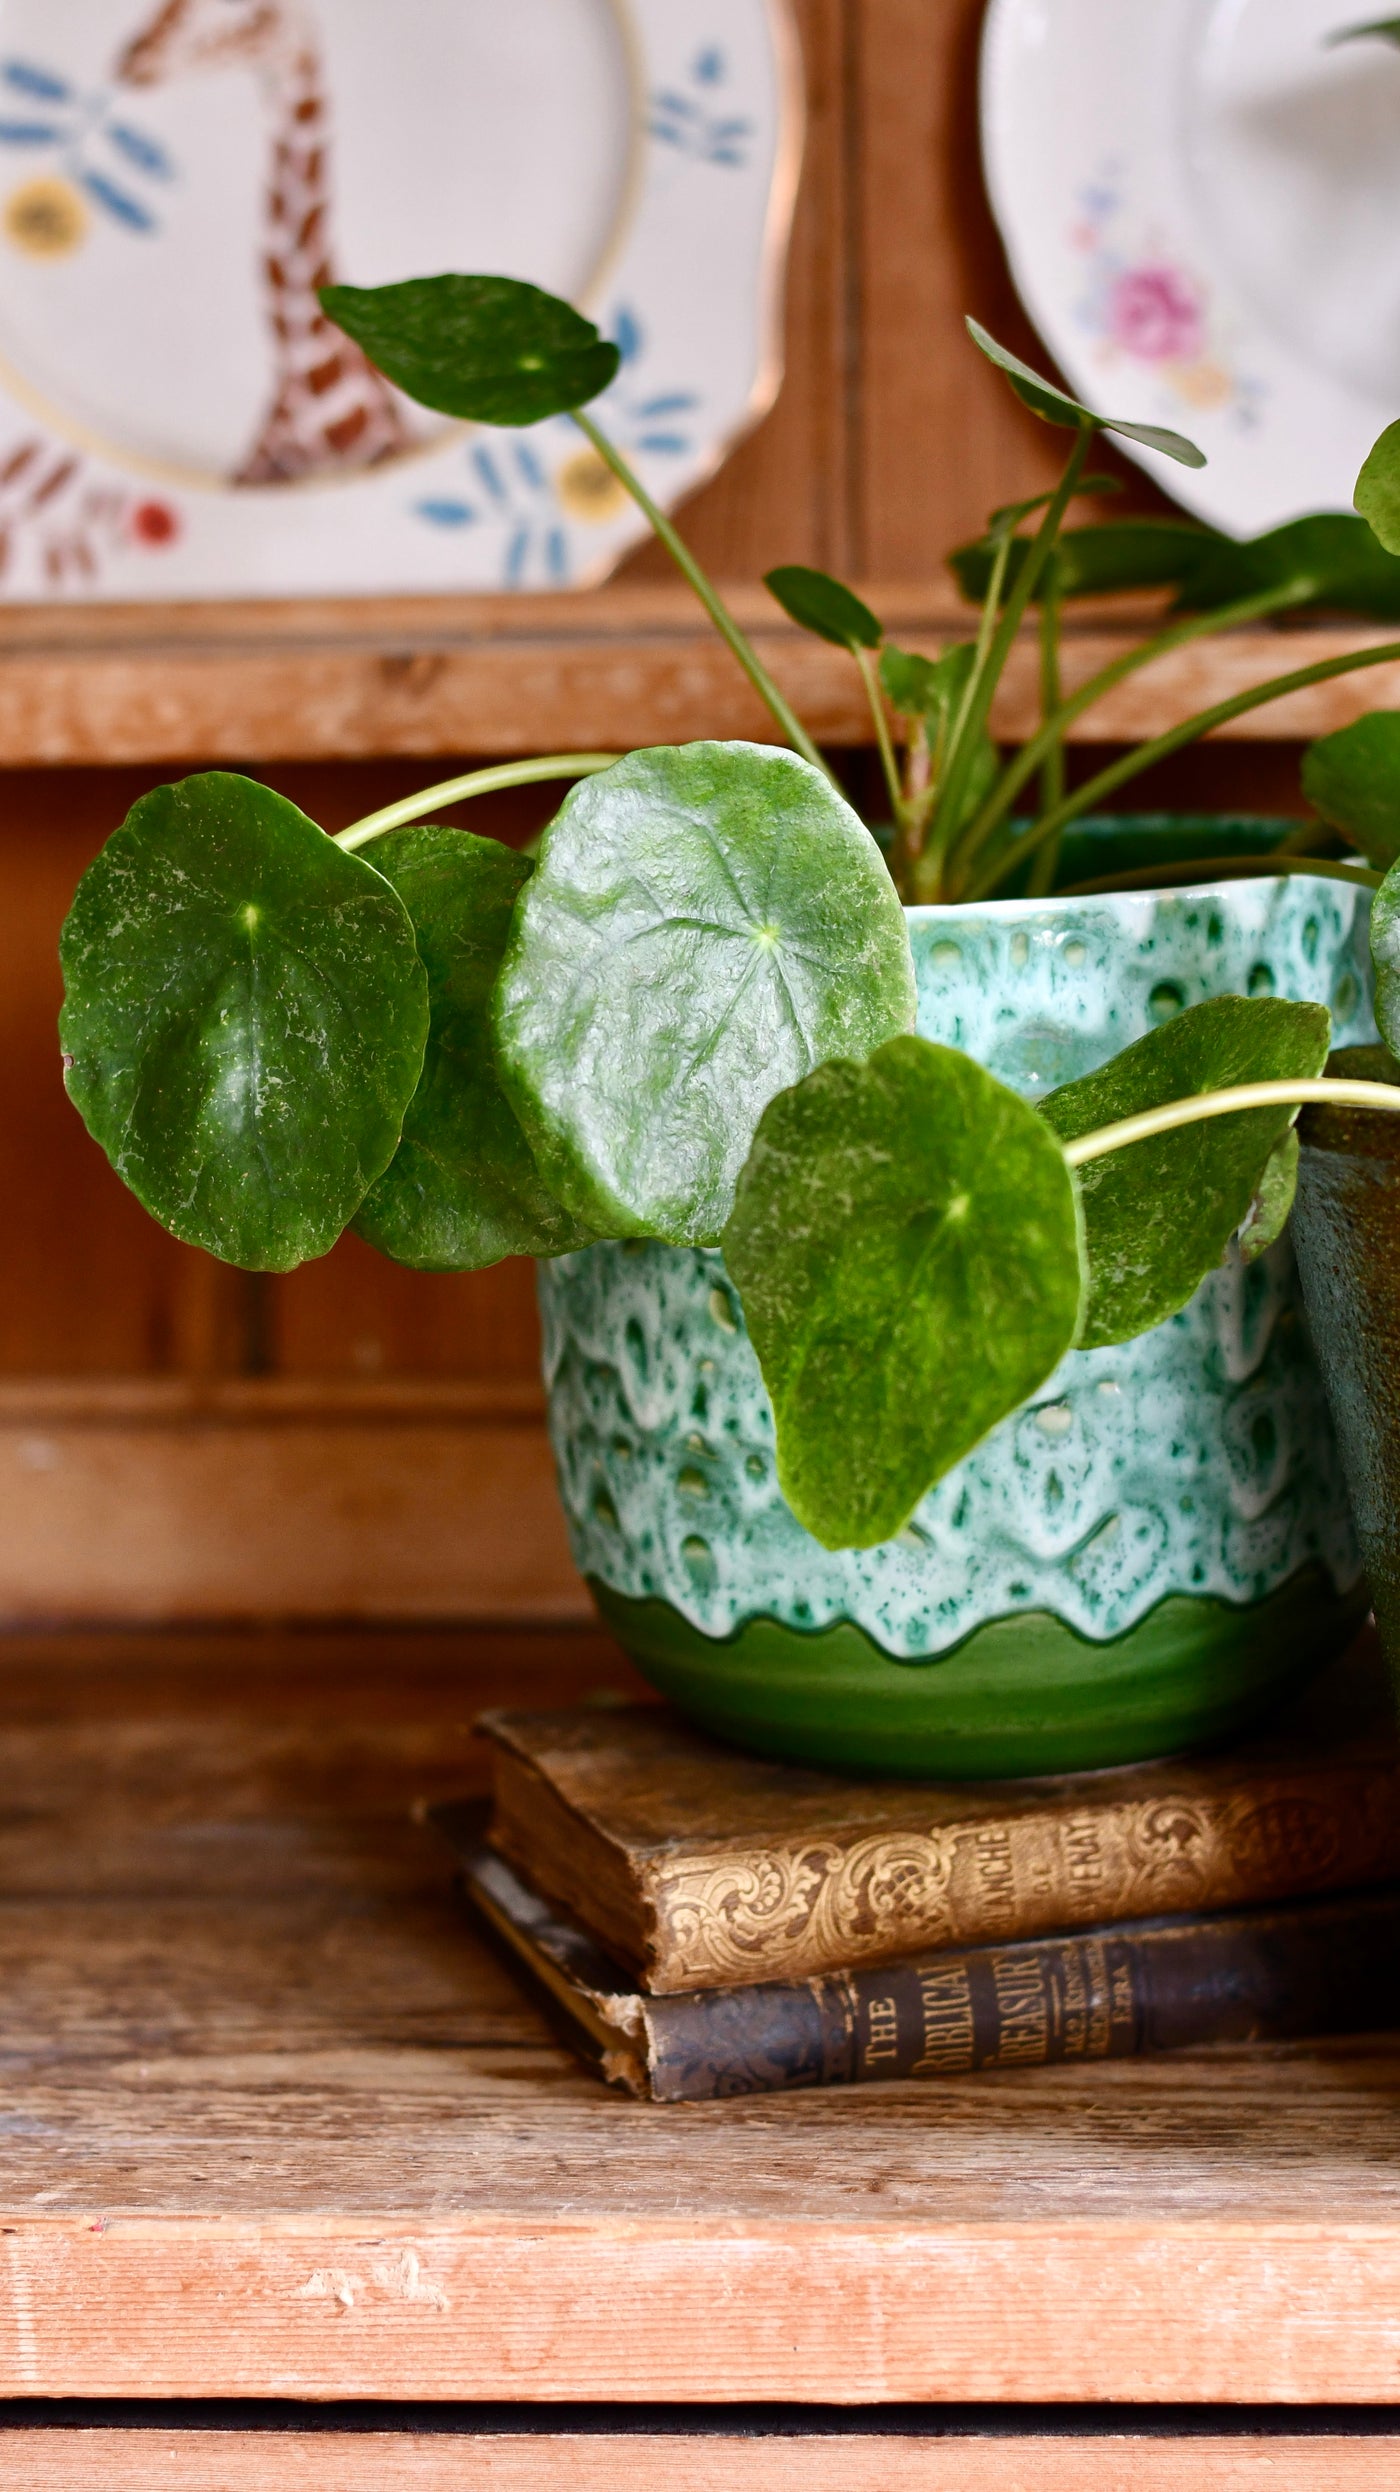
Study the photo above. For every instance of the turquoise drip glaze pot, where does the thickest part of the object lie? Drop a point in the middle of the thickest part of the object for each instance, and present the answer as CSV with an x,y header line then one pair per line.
x,y
1147,1557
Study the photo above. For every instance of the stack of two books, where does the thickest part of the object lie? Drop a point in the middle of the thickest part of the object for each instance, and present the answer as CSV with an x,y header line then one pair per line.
x,y
705,1924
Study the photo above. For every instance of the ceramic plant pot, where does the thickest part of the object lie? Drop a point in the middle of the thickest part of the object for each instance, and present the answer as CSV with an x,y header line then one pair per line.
x,y
1347,1235
1145,1558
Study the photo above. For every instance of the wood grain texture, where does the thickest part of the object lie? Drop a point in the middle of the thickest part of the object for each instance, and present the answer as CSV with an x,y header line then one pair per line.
x,y
616,668
275,2125
169,1502
330,2461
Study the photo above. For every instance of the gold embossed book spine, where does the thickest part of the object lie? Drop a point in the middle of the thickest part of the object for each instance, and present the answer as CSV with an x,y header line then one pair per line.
x,y
795,1909
1169,1984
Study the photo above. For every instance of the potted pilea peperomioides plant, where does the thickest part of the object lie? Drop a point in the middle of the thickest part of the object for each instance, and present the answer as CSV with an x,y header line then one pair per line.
x,y
875,1192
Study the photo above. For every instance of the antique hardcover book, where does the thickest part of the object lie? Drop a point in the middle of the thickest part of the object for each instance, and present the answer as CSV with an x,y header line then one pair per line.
x,y
700,1868
1263,1975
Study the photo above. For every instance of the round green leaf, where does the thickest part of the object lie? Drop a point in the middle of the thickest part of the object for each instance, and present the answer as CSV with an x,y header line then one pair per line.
x,y
1330,559
462,1189
915,686
245,1019
1055,406
1159,1215
706,923
905,1239
822,605
1353,778
1378,489
489,349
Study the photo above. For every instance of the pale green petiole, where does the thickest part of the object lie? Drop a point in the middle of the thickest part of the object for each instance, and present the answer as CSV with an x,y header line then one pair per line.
x,y
883,738
990,665
707,593
1178,1112
1052,766
1049,737
1191,730
474,783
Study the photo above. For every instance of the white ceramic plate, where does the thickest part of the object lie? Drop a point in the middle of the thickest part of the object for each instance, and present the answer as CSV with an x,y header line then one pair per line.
x,y
176,176
1201,204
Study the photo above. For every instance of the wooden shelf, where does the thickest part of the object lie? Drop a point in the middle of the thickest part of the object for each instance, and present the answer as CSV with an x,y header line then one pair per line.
x,y
501,2457
499,675
277,2125
164,1498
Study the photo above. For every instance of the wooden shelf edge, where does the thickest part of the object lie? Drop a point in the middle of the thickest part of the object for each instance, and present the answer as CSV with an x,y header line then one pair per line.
x,y
530,2303
601,670
320,2460
257,1401
167,1503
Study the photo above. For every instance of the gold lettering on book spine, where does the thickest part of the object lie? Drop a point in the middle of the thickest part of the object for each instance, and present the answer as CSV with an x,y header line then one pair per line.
x,y
785,1910
950,2028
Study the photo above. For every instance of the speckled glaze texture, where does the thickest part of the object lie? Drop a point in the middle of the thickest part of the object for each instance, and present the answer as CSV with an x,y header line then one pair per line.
x,y
1196,1460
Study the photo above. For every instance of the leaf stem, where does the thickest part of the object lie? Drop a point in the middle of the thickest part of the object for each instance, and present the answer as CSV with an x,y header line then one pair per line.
x,y
1052,766
1189,732
1177,1112
888,761
474,783
934,828
1205,869
1176,636
995,648
707,593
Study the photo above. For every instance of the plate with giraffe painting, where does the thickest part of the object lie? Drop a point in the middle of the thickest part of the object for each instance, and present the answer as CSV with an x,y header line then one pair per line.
x,y
177,178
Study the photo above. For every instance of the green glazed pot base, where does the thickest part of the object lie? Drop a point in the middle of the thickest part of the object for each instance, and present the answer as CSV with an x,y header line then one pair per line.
x,y
1020,1695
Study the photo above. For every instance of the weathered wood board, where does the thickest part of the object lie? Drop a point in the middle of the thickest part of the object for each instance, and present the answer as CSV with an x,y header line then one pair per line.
x,y
205,2461
276,2125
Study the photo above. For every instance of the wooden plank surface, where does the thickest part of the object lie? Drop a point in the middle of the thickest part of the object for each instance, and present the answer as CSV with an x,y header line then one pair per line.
x,y
167,1500
605,670
203,2461
275,2124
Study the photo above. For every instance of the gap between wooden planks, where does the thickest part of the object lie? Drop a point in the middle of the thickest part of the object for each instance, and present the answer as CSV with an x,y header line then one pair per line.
x,y
596,669
208,2461
162,1500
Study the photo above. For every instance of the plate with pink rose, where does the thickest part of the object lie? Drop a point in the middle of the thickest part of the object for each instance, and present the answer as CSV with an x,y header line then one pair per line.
x,y
1200,201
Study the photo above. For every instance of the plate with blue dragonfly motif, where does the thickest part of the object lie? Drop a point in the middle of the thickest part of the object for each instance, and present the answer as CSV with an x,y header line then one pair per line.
x,y
179,177
1200,201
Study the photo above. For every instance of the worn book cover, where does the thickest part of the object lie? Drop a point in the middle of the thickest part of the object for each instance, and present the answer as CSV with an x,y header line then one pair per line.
x,y
1169,1984
699,1867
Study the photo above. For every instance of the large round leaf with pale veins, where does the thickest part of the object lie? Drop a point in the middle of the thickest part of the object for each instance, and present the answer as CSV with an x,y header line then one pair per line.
x,y
905,1238
462,1189
245,1019
706,924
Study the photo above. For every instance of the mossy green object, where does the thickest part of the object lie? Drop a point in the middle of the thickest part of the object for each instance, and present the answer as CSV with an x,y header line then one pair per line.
x,y
1022,1695
1160,1540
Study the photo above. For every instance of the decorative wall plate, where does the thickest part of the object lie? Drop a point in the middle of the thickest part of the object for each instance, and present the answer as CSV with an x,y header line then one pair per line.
x,y
177,177
1200,200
